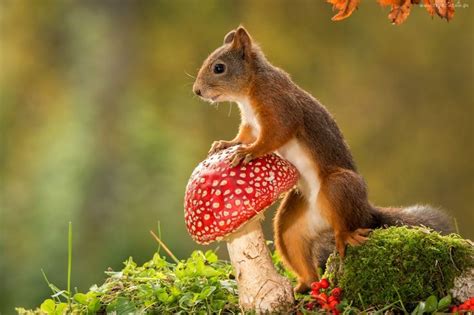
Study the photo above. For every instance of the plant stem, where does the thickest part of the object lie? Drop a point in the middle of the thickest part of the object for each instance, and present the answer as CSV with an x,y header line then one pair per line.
x,y
69,265
167,250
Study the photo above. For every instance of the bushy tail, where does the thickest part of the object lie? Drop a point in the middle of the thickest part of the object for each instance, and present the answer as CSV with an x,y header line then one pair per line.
x,y
414,216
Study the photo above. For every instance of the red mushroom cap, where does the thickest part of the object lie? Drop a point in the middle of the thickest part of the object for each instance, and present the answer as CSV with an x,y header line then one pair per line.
x,y
220,199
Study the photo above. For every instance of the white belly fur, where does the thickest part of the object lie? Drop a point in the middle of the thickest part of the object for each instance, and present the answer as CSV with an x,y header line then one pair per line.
x,y
296,154
309,183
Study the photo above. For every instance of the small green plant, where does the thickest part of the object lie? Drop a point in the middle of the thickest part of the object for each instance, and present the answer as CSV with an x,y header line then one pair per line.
x,y
202,284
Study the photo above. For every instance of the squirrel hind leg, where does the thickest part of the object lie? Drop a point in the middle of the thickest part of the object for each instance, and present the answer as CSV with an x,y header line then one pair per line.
x,y
343,199
291,240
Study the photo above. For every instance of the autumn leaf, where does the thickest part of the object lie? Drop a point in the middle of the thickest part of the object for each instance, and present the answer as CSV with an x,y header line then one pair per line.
x,y
445,9
428,4
400,9
345,7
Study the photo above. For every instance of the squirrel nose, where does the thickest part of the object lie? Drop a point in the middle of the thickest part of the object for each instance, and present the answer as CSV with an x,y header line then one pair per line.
x,y
197,92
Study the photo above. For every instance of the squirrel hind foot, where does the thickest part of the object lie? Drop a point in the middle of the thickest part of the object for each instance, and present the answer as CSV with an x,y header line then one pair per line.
x,y
358,237
354,238
301,287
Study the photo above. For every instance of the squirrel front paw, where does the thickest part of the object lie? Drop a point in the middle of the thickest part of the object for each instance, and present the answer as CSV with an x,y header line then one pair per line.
x,y
242,154
221,145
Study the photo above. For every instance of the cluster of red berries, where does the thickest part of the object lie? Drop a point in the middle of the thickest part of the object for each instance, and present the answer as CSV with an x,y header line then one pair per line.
x,y
467,306
319,293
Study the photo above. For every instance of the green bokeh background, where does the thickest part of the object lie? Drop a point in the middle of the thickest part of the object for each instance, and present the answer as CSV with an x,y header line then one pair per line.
x,y
99,126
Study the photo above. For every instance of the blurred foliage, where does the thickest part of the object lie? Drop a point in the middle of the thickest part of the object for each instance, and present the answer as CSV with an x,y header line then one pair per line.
x,y
99,126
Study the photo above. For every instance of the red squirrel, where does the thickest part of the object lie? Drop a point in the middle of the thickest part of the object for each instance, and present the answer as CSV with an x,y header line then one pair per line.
x,y
330,201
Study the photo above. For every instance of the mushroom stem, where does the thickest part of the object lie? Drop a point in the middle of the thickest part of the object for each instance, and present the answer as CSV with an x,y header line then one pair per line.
x,y
261,288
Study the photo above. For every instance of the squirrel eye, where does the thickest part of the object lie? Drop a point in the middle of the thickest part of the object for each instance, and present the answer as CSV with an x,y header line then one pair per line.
x,y
219,68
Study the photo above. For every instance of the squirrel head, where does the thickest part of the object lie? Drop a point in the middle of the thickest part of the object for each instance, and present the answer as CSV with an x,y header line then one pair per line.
x,y
227,73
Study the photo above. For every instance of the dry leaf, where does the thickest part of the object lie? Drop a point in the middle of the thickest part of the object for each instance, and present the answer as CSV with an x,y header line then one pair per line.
x,y
345,7
385,3
445,9
400,12
428,4
400,9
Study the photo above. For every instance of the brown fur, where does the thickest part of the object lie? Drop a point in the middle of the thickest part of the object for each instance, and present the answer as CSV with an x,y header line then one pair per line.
x,y
286,112
292,241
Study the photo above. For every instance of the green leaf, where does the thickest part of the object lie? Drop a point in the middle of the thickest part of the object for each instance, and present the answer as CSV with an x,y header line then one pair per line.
x,y
206,292
431,304
211,256
420,309
94,305
48,306
61,308
122,306
444,303
163,297
81,298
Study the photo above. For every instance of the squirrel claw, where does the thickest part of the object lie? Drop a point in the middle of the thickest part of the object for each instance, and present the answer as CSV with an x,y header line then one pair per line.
x,y
240,156
220,145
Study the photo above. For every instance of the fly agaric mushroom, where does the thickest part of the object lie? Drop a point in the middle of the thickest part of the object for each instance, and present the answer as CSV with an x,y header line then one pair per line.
x,y
224,202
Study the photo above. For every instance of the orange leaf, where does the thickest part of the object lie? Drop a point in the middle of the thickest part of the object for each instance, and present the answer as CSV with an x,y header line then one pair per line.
x,y
345,7
445,9
428,4
385,3
400,12
400,9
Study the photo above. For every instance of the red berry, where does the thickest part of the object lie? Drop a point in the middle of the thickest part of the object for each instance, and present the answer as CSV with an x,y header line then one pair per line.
x,y
332,298
315,286
324,297
463,307
333,304
324,283
335,312
454,309
310,306
326,306
337,292
315,294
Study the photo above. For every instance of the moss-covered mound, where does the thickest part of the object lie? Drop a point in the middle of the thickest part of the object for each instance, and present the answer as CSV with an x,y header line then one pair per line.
x,y
400,263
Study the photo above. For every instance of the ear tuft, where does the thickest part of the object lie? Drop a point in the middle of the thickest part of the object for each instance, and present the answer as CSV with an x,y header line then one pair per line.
x,y
243,41
229,37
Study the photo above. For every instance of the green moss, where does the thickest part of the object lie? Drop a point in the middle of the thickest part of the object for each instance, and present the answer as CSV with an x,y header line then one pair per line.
x,y
400,263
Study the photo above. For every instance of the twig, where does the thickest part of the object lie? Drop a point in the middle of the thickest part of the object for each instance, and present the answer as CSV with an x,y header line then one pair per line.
x,y
456,226
167,250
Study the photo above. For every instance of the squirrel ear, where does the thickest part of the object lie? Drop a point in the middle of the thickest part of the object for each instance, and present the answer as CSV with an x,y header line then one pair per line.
x,y
229,37
242,41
